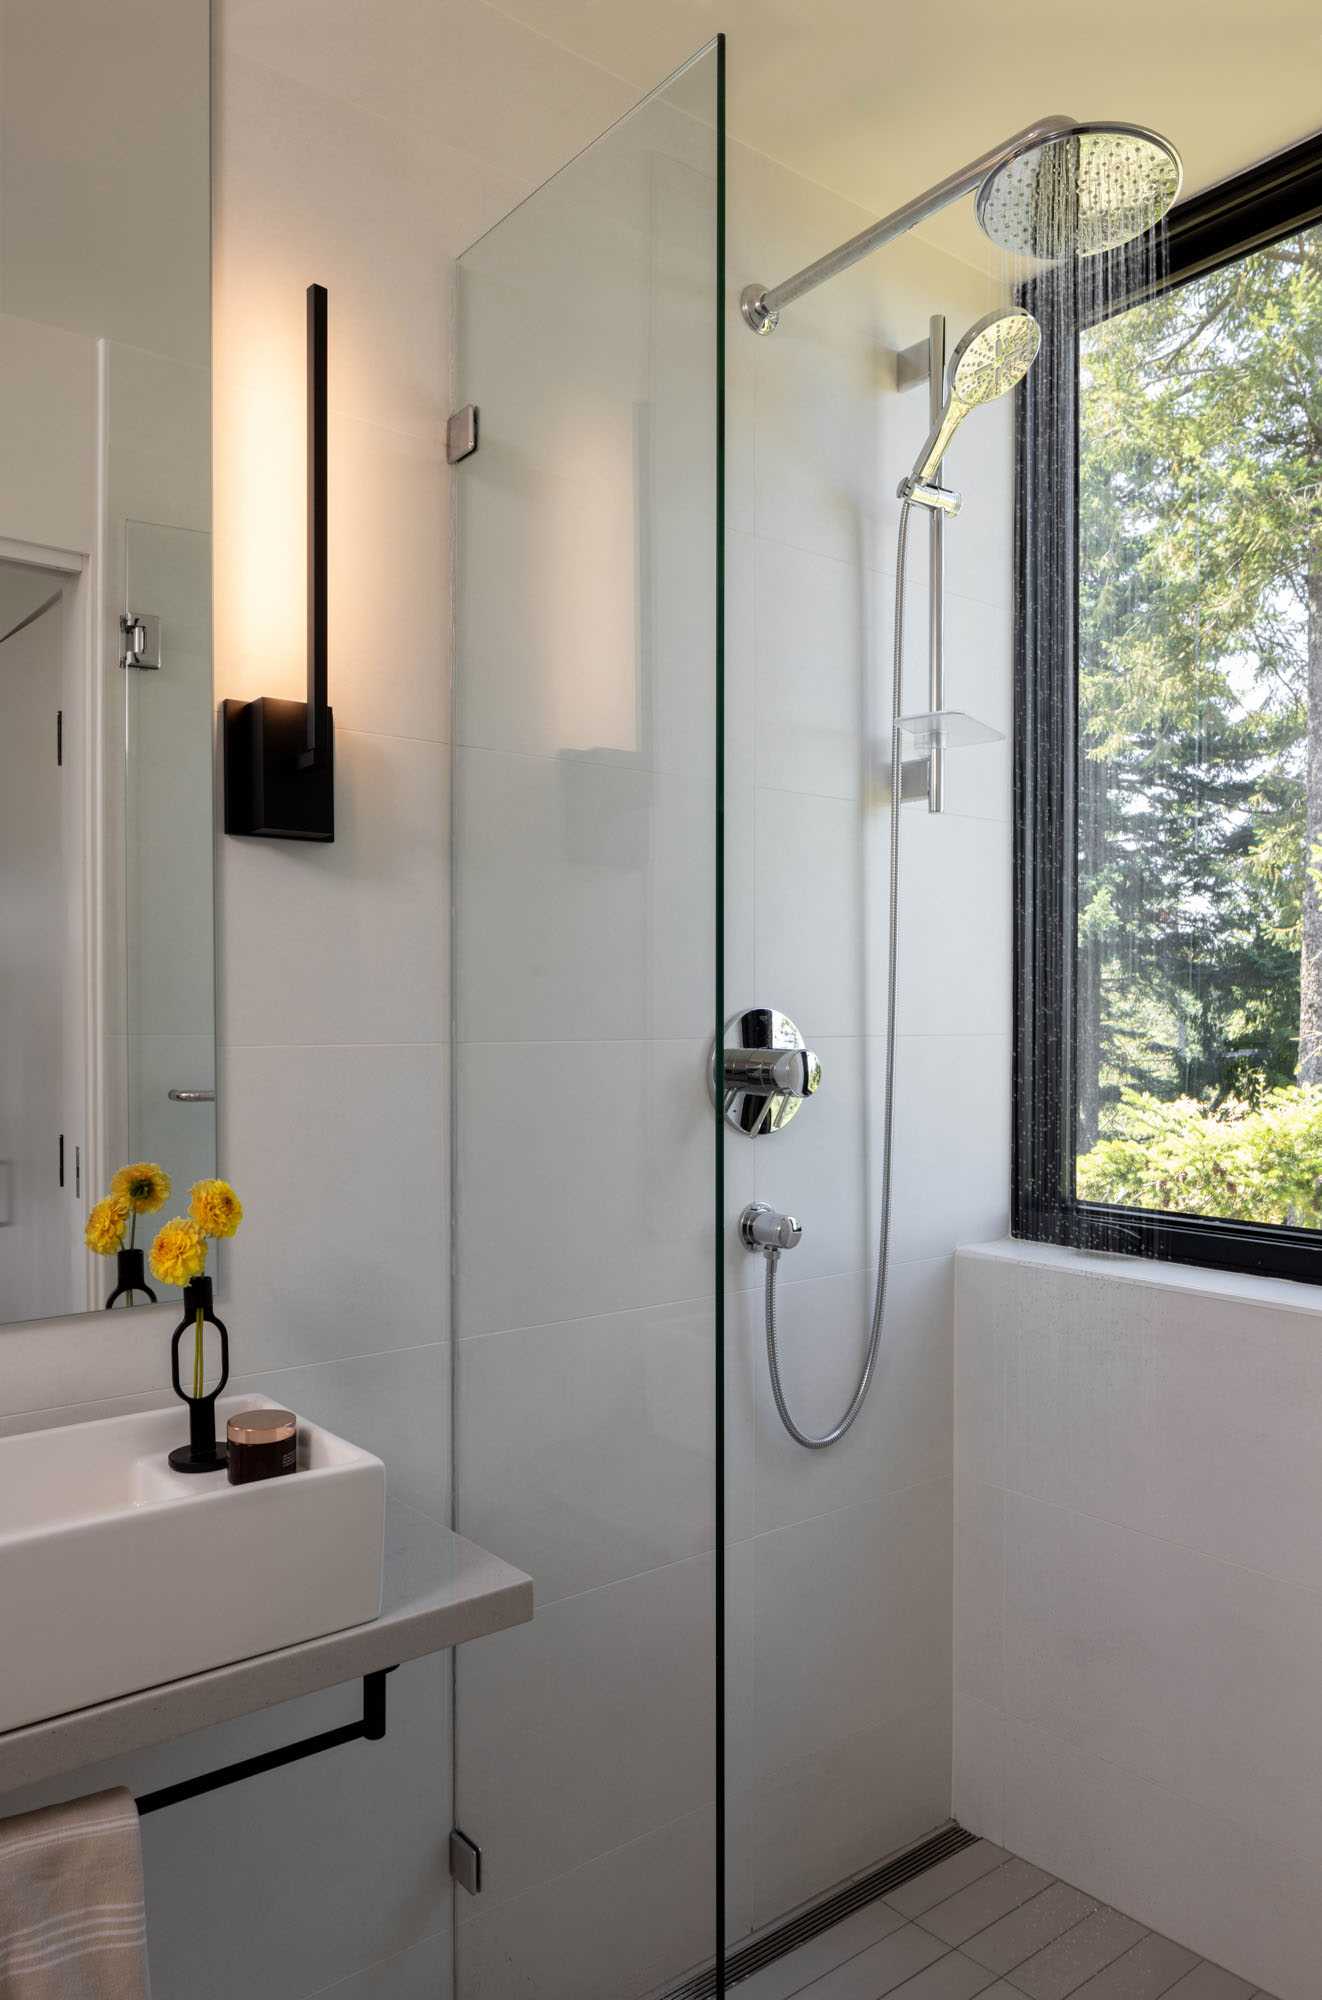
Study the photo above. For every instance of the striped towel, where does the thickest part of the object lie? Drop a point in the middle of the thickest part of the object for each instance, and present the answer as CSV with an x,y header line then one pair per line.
x,y
73,1923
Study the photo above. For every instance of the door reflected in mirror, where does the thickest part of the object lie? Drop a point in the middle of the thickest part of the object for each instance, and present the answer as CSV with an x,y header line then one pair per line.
x,y
107,977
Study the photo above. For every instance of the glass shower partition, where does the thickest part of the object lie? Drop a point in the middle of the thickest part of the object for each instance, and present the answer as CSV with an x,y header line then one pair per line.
x,y
586,869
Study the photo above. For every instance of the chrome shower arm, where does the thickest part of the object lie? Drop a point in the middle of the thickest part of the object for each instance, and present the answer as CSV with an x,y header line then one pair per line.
x,y
762,308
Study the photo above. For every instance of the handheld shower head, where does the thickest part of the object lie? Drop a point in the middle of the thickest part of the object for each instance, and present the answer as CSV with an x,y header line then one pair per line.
x,y
994,354
1080,192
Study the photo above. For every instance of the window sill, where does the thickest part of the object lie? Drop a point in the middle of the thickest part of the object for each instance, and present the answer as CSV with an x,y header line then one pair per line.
x,y
1282,1293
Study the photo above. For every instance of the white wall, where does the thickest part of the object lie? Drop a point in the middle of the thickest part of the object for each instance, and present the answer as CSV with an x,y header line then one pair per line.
x,y
1140,1592
363,148
840,1574
364,155
583,994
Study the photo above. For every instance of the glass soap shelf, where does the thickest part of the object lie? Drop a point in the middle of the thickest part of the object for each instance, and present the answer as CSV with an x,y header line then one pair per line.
x,y
944,729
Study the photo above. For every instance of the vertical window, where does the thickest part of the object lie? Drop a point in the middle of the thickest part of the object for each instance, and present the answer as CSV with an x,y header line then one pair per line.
x,y
1169,813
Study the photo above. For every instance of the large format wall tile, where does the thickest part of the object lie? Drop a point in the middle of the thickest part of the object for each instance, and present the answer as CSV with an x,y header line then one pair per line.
x,y
1138,1397
588,1447
588,1728
322,924
952,1142
902,1435
1139,1627
604,877
551,1135
339,1154
396,1405
851,1622
954,956
625,1922
817,667
807,892
1202,1675
820,1818
417,1974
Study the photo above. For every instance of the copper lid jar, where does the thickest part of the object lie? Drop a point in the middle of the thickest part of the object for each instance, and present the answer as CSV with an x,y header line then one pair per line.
x,y
263,1444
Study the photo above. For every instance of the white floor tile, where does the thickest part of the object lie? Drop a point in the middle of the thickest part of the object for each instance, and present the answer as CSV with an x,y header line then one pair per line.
x,y
1209,1982
1150,1969
1097,1942
985,1901
934,1885
881,1968
1029,1929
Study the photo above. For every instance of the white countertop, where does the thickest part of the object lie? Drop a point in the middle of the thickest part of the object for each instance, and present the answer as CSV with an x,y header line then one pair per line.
x,y
439,1591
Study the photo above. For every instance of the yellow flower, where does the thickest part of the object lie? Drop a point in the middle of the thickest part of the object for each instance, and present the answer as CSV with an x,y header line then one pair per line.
x,y
179,1252
106,1225
144,1186
215,1208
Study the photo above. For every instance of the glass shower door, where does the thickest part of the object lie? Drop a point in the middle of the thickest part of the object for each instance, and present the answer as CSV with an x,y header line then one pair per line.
x,y
586,1302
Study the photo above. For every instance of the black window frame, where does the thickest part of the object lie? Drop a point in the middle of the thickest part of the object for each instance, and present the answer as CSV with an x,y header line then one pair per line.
x,y
1211,229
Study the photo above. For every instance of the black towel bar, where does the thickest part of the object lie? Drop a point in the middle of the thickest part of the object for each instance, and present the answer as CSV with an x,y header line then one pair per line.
x,y
371,1729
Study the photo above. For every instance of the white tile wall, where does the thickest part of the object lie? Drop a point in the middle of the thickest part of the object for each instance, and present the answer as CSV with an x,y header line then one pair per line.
x,y
584,978
364,154
585,905
1139,1624
850,1740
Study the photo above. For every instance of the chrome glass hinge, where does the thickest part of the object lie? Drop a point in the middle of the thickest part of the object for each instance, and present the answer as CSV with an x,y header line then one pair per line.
x,y
461,434
465,1862
141,632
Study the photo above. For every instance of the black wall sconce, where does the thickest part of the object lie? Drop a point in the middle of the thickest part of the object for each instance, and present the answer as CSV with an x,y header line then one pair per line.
x,y
280,755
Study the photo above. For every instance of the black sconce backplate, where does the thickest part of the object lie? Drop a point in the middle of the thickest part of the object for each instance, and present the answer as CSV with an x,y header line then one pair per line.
x,y
267,789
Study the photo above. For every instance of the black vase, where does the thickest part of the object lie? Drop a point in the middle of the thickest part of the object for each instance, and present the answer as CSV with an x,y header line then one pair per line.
x,y
130,1277
202,1453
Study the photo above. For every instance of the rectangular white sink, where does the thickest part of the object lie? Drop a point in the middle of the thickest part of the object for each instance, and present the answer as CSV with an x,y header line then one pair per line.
x,y
117,1573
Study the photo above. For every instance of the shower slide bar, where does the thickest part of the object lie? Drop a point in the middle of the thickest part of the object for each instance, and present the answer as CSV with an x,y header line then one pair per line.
x,y
926,362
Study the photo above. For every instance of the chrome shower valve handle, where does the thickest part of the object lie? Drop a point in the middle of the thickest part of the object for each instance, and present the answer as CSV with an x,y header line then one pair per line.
x,y
787,1072
761,1228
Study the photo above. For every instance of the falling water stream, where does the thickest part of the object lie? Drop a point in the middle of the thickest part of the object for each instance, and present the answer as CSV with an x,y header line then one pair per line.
x,y
1082,278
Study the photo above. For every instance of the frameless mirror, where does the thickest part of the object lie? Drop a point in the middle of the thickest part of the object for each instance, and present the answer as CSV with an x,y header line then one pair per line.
x,y
107,1012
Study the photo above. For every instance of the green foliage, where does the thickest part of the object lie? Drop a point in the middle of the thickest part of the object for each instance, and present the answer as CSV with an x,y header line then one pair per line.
x,y
1200,587
1253,1163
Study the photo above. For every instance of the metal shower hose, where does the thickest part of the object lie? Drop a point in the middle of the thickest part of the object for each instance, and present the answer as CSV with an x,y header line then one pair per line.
x,y
773,1256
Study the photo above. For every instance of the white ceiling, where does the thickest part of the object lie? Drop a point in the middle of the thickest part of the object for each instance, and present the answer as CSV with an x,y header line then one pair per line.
x,y
875,99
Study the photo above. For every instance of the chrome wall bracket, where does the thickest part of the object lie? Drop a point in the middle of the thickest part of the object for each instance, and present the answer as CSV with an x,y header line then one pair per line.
x,y
140,632
461,435
757,314
465,1861
767,1070
762,1228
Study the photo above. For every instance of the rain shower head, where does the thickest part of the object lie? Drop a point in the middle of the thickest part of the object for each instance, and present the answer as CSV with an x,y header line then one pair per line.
x,y
1057,189
993,356
1080,192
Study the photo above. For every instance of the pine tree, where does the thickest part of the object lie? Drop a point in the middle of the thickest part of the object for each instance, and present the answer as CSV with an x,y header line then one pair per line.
x,y
1201,689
